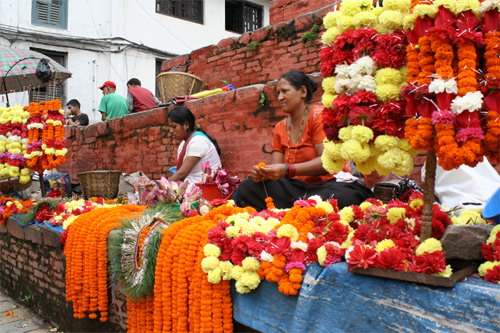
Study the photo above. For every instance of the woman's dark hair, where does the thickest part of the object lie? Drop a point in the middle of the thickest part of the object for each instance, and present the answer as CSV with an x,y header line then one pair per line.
x,y
182,115
299,79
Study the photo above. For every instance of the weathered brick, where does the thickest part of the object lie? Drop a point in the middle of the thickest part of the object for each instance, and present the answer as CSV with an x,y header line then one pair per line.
x,y
32,234
50,237
14,229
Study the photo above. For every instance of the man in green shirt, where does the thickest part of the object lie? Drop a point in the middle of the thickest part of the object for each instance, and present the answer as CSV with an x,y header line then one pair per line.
x,y
112,105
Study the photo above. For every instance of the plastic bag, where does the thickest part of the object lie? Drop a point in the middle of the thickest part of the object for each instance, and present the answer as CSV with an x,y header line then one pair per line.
x,y
43,71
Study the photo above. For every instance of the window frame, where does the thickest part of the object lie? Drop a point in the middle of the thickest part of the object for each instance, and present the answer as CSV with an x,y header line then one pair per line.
x,y
63,14
243,5
165,4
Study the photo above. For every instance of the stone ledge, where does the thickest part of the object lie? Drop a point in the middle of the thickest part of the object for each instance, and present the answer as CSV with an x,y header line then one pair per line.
x,y
32,233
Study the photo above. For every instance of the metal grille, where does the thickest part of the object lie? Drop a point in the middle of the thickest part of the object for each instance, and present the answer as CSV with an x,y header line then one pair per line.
x,y
191,10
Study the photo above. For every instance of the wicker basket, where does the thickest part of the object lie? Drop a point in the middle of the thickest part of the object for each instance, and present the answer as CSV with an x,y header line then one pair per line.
x,y
172,84
101,183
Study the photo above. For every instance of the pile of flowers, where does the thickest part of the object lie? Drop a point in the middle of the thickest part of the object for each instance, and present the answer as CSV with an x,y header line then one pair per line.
x,y
219,177
13,143
47,146
453,80
363,69
9,206
490,269
276,245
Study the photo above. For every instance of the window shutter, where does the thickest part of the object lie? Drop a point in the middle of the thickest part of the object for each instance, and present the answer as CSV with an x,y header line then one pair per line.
x,y
50,12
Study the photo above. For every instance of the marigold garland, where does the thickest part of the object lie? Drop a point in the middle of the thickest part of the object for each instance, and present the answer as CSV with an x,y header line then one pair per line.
x,y
467,58
492,136
425,61
86,259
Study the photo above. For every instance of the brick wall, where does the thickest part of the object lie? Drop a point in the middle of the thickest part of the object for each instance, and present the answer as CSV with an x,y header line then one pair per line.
x,y
277,49
284,10
32,269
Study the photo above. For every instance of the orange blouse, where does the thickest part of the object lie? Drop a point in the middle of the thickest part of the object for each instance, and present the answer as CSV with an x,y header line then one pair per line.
x,y
304,150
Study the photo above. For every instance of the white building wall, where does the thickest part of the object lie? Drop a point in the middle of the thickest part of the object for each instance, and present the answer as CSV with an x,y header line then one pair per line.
x,y
136,21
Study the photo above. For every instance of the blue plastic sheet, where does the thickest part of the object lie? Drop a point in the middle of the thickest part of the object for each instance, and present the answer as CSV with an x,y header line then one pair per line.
x,y
18,216
58,228
334,300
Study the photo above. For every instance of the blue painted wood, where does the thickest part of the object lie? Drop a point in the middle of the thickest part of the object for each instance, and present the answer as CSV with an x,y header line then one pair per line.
x,y
334,300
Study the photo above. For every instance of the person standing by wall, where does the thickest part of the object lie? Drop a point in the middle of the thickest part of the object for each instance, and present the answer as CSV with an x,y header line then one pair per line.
x,y
112,105
75,115
139,98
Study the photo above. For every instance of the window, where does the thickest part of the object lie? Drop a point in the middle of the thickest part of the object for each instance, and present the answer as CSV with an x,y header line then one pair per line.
x,y
54,89
191,10
242,16
51,13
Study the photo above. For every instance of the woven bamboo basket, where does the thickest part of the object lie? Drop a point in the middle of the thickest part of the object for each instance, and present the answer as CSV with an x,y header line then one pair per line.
x,y
172,84
100,183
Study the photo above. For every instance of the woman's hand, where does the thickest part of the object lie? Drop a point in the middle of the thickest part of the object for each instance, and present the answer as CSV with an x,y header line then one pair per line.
x,y
273,171
255,174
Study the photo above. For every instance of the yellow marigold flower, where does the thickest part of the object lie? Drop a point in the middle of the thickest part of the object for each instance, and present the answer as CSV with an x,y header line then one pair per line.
x,y
404,145
348,242
430,245
416,203
377,11
273,221
327,99
250,228
236,272
326,206
364,205
328,85
388,76
288,230
391,19
321,253
352,7
468,217
226,268
250,264
401,5
266,228
425,10
446,273
353,150
409,21
345,22
362,133
363,19
329,35
384,244
493,234
388,92
232,232
345,133
250,280
258,220
241,288
331,19
395,214
386,142
347,214
214,276
331,166
209,263
332,149
485,266
211,250
367,166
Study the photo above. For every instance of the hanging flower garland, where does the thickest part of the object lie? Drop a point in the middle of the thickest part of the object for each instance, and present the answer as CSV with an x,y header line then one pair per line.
x,y
490,269
365,112
86,259
13,143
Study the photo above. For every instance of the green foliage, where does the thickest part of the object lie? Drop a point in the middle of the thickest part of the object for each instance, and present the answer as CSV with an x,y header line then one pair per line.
x,y
310,37
253,45
29,217
262,100
226,82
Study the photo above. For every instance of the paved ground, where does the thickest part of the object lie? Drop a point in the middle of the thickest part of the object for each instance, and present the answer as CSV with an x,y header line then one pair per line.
x,y
16,318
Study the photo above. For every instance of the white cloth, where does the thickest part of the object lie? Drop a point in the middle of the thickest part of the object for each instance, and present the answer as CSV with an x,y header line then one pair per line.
x,y
466,187
200,146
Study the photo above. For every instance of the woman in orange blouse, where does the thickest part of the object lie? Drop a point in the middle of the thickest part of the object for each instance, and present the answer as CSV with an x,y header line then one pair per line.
x,y
296,171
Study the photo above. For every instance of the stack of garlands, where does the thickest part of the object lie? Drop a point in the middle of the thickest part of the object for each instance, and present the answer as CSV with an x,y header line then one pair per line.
x,y
86,259
453,80
363,70
46,148
13,143
490,269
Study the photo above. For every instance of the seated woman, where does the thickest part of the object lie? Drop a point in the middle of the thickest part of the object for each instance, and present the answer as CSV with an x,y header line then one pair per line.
x,y
197,146
296,171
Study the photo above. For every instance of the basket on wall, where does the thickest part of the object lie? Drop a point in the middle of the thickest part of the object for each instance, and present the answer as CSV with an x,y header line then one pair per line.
x,y
100,183
172,84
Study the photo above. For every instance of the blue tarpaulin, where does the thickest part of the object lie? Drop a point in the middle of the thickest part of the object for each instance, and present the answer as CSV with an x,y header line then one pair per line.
x,y
334,300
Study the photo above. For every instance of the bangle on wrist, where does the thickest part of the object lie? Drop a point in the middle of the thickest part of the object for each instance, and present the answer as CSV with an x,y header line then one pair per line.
x,y
286,167
291,170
